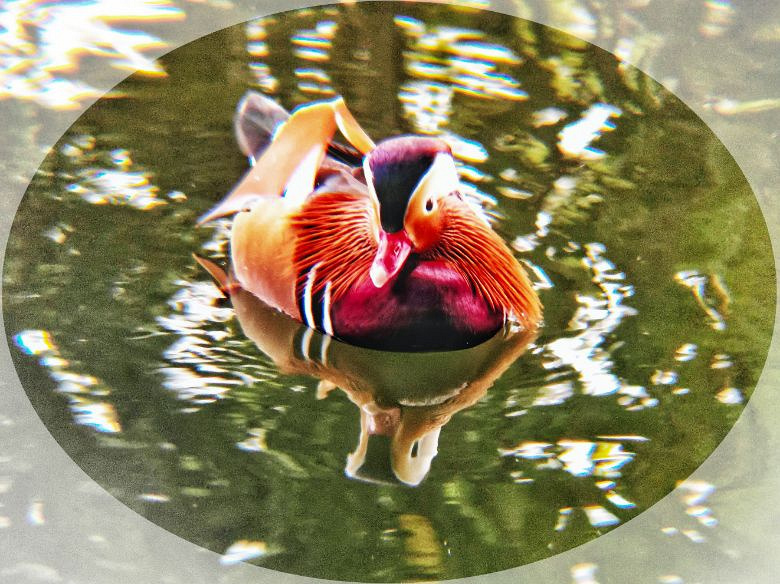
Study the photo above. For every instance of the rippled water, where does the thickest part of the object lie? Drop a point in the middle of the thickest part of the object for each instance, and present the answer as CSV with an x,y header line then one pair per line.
x,y
247,434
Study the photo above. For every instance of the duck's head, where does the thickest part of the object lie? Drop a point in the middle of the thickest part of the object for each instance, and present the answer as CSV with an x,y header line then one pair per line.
x,y
410,176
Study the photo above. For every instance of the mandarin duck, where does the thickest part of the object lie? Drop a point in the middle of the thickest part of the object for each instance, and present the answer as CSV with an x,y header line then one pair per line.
x,y
404,398
372,244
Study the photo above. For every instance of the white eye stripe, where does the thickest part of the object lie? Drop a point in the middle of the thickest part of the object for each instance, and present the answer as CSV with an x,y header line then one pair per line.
x,y
441,179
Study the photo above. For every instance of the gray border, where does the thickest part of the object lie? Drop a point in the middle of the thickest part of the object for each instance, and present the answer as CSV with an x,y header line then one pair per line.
x,y
89,537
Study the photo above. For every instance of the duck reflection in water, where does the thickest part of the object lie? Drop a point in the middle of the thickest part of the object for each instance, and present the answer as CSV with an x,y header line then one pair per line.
x,y
404,399
374,244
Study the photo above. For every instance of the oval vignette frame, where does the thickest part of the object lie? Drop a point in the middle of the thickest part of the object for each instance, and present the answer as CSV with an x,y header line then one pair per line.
x,y
623,528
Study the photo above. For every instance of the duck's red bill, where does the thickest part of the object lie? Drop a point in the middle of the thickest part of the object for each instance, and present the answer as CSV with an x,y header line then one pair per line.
x,y
393,250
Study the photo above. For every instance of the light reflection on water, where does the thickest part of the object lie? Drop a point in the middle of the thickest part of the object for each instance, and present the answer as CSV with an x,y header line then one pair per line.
x,y
574,427
714,303
109,179
43,43
80,389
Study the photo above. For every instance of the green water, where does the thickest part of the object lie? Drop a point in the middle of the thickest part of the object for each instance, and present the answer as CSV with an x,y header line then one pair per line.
x,y
651,257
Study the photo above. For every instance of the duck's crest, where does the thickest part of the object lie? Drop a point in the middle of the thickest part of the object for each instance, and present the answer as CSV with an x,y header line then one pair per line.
x,y
396,166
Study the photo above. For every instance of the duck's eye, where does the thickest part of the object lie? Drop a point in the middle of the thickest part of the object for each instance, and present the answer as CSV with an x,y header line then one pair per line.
x,y
429,205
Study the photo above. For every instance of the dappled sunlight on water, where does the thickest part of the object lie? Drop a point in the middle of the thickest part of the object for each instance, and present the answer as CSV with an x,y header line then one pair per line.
x,y
81,390
109,179
43,45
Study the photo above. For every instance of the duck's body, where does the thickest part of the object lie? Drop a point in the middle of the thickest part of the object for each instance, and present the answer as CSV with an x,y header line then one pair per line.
x,y
371,254
427,305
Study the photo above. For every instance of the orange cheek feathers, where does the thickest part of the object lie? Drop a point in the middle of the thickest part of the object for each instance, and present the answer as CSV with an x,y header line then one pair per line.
x,y
423,229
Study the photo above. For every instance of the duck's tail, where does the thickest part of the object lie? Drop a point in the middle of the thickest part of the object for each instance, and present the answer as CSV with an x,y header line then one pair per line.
x,y
257,118
223,281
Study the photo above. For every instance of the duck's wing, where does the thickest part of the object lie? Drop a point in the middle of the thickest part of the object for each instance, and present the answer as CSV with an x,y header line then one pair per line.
x,y
291,162
335,240
257,118
277,244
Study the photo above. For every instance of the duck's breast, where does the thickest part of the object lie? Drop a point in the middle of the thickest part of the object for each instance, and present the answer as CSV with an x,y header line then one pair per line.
x,y
429,306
